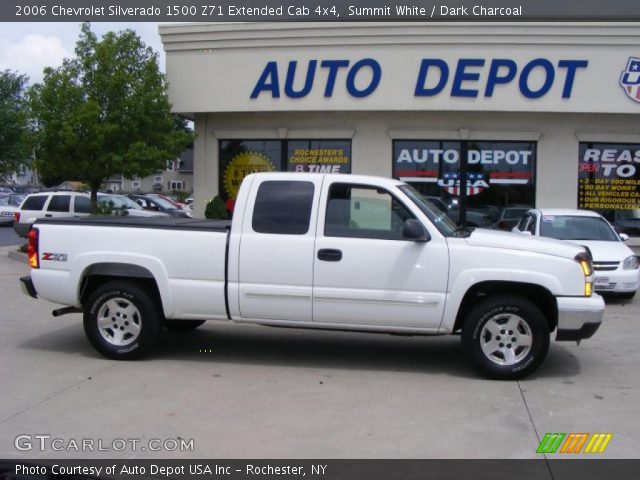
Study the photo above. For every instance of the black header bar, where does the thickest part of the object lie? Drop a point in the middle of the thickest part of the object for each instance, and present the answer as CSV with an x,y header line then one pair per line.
x,y
318,10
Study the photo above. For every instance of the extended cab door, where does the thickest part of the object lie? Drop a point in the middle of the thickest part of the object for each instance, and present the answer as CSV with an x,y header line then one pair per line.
x,y
275,274
366,272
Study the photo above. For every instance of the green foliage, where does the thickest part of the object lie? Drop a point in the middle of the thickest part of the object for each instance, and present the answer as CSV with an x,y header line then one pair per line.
x,y
14,131
216,210
109,208
106,112
179,195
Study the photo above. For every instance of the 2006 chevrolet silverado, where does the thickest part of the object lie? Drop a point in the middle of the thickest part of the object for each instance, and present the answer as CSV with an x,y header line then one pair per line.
x,y
319,251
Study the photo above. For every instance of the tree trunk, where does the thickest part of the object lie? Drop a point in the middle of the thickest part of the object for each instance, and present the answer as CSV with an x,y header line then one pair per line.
x,y
95,186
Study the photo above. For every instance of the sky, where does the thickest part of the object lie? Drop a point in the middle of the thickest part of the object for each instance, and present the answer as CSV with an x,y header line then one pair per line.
x,y
27,48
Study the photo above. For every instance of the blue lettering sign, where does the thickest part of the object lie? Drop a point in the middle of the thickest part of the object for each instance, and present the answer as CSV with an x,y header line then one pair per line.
x,y
534,79
421,90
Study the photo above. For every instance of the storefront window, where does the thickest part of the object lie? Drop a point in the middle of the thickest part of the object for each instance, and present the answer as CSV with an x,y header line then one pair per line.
x,y
239,158
500,177
609,183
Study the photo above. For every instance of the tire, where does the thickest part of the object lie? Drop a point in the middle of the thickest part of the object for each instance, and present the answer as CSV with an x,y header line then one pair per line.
x,y
627,295
122,320
506,337
182,325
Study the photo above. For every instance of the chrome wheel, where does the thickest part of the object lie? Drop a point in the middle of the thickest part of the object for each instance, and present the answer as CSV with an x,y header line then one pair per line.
x,y
119,321
506,339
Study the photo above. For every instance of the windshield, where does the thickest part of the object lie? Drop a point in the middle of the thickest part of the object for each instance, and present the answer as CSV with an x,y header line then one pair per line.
x,y
439,218
119,202
163,203
565,227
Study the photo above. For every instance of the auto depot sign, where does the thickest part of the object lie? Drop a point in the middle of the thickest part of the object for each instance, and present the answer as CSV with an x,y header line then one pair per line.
x,y
464,78
412,67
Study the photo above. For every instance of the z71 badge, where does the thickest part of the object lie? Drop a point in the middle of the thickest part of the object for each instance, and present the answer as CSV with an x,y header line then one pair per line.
x,y
55,257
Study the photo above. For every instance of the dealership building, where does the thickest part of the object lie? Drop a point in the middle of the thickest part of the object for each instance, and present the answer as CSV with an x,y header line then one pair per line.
x,y
483,116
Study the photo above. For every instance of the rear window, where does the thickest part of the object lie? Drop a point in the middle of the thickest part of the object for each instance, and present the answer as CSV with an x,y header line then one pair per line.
x,y
283,207
59,203
35,202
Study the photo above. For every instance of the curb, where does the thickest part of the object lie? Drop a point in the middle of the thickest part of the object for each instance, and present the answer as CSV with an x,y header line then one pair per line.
x,y
18,256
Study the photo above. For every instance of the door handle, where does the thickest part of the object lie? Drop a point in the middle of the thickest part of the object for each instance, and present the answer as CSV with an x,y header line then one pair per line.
x,y
48,215
330,254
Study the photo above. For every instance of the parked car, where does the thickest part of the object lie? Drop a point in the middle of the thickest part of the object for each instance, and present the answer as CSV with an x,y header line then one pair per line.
x,y
474,218
50,205
615,265
159,204
317,251
124,203
9,205
510,215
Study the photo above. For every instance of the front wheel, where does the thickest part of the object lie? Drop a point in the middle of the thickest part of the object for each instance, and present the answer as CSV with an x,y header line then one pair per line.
x,y
122,320
627,295
506,337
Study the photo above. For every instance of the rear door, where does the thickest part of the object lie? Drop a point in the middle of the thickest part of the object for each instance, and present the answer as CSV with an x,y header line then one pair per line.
x,y
275,265
365,272
59,206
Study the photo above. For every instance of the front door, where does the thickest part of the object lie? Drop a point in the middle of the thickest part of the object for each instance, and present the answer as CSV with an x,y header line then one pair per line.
x,y
365,272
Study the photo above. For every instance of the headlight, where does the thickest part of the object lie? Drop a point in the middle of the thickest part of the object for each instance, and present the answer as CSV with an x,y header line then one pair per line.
x,y
630,263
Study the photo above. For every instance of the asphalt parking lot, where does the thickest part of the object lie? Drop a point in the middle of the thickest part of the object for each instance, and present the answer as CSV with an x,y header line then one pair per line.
x,y
257,392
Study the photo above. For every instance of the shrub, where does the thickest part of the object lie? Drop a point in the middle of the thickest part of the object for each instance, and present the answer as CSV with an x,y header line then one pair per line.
x,y
216,209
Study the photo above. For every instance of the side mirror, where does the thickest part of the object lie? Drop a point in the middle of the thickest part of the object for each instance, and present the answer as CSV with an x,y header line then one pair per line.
x,y
414,230
526,232
624,237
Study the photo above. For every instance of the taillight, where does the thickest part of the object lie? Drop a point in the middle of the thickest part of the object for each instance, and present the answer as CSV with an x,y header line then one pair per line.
x,y
32,248
16,217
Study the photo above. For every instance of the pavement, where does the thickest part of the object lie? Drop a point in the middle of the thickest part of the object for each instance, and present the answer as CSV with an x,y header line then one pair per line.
x,y
241,391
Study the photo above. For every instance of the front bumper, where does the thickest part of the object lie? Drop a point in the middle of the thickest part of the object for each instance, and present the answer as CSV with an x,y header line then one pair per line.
x,y
27,287
617,281
579,317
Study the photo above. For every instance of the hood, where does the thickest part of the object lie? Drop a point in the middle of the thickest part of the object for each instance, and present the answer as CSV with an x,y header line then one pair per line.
x,y
481,237
605,251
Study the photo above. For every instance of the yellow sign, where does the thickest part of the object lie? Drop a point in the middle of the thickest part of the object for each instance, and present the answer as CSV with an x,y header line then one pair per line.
x,y
242,165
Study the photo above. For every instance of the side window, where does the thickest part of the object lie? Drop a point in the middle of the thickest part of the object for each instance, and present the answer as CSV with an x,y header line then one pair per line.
x,y
35,202
82,205
364,212
283,207
522,224
59,203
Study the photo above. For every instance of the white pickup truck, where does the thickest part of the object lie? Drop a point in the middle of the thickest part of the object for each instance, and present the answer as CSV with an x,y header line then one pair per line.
x,y
339,252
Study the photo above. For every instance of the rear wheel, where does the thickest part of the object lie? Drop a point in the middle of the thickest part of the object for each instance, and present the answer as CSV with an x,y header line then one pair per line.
x,y
506,337
122,321
182,325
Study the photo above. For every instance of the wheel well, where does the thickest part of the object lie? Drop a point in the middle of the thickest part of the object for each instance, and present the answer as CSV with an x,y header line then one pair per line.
x,y
101,273
539,296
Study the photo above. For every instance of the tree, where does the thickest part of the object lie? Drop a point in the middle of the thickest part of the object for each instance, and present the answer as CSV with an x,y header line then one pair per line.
x,y
14,132
106,112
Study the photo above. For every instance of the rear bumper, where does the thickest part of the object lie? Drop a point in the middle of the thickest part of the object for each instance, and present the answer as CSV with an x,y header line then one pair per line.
x,y
579,317
22,229
27,287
